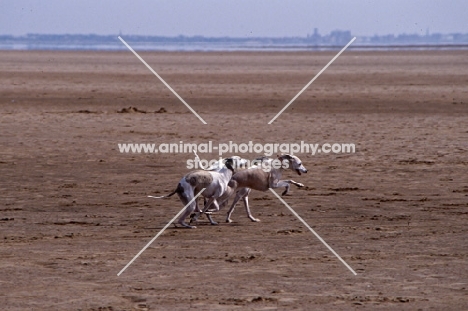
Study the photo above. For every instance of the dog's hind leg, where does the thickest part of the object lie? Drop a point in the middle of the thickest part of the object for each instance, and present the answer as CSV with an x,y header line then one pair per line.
x,y
239,195
211,202
185,198
245,198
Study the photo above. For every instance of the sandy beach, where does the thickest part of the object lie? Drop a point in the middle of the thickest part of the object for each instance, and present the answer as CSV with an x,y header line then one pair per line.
x,y
74,210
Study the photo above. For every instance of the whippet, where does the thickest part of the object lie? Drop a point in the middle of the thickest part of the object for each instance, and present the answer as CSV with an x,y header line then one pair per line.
x,y
262,176
215,183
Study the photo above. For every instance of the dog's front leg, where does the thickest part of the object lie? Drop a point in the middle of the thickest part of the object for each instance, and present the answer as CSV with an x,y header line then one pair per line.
x,y
298,184
276,183
285,184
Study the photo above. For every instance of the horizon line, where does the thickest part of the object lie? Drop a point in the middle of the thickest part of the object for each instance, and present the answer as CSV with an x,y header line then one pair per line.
x,y
308,35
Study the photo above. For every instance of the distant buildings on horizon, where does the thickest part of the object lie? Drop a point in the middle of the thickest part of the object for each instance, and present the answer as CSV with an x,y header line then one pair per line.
x,y
342,37
335,38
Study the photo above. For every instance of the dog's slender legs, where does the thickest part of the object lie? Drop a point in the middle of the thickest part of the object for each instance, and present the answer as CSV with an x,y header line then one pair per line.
x,y
188,210
245,198
208,204
286,184
243,194
233,205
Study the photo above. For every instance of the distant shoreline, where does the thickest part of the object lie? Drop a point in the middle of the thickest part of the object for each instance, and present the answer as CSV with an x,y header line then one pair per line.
x,y
227,48
316,42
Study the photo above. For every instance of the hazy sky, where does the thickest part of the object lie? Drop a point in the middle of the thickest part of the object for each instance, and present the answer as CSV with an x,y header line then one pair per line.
x,y
241,18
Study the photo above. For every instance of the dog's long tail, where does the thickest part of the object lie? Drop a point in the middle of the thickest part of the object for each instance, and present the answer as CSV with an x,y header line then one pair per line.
x,y
179,189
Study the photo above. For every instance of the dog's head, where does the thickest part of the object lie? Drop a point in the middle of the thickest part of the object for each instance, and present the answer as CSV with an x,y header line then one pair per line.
x,y
295,163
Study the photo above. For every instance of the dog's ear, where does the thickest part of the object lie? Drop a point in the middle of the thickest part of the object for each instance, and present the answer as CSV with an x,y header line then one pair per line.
x,y
229,162
285,157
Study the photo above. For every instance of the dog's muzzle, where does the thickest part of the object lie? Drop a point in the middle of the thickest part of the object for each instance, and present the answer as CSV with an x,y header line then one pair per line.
x,y
299,172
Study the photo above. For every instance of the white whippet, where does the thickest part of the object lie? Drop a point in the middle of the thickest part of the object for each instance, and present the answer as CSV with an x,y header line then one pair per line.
x,y
262,176
215,181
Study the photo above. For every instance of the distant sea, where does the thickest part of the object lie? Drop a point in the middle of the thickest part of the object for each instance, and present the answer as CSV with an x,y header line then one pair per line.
x,y
216,46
